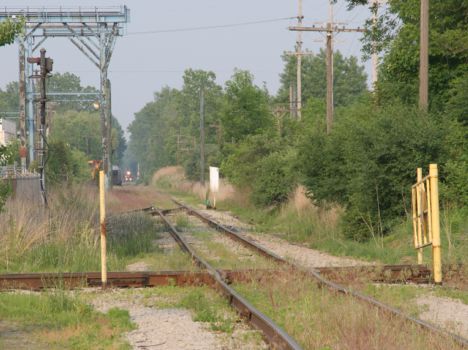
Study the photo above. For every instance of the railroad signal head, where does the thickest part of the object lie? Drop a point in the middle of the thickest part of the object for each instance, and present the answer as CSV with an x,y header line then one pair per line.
x,y
49,64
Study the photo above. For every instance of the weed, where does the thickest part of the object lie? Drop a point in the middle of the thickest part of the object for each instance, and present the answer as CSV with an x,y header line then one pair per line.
x,y
207,310
64,321
182,221
319,319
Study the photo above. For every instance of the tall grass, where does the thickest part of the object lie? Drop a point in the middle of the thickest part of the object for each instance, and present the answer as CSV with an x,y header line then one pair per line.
x,y
319,319
65,237
56,319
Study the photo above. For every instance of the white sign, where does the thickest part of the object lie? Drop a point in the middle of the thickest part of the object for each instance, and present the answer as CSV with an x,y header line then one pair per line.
x,y
214,179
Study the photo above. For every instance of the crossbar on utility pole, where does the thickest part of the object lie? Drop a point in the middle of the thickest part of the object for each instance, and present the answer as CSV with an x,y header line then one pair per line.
x,y
329,29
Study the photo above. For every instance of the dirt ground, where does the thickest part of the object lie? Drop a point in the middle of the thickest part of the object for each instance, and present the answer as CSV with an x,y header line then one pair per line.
x,y
133,197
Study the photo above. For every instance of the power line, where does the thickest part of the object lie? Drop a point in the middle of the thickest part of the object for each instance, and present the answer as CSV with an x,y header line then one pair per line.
x,y
218,26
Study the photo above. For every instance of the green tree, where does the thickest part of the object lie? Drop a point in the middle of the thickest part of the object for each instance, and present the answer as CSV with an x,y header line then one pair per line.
x,y
368,163
82,131
9,100
65,164
262,163
9,29
153,132
349,78
398,37
246,111
70,83
167,130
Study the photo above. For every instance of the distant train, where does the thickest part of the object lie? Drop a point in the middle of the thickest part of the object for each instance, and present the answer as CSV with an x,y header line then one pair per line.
x,y
128,176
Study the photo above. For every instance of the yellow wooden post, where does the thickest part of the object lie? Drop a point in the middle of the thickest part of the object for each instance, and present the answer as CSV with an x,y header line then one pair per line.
x,y
102,217
419,213
436,255
415,215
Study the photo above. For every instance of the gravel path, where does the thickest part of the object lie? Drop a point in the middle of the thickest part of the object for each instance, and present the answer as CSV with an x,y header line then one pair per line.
x,y
167,329
172,329
449,313
138,266
301,255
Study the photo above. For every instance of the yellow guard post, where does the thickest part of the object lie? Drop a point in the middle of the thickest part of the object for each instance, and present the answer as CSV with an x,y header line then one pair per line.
x,y
426,224
102,217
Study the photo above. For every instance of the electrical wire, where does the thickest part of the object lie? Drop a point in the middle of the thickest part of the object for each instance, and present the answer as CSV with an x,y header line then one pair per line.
x,y
219,26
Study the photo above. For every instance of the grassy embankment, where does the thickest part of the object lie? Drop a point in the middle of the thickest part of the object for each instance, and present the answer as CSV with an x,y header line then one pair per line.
x,y
65,237
300,221
58,320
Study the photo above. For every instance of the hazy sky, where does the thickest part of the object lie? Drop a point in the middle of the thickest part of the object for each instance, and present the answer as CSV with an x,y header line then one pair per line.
x,y
142,64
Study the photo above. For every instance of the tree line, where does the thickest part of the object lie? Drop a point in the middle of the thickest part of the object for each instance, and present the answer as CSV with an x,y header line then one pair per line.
x,y
367,163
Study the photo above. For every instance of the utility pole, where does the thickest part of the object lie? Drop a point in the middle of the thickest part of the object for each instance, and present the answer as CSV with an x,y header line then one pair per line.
x,y
374,57
299,53
202,135
299,63
330,28
292,101
424,57
22,93
109,129
329,65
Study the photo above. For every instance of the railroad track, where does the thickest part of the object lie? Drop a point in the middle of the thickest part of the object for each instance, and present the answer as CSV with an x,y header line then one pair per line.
x,y
73,280
315,274
276,337
220,280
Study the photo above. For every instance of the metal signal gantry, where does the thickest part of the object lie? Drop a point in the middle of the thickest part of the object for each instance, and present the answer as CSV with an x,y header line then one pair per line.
x,y
93,31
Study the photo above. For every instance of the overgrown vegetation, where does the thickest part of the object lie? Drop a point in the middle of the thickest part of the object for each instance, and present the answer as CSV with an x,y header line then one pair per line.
x,y
65,236
56,319
365,166
315,317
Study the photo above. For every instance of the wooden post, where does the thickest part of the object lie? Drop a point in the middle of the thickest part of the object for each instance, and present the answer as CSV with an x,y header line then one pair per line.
x,y
329,64
202,135
419,213
436,256
424,56
102,216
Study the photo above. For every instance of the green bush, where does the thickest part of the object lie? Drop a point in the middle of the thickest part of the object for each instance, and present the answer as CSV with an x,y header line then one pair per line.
x,y
274,179
5,190
65,164
263,164
368,163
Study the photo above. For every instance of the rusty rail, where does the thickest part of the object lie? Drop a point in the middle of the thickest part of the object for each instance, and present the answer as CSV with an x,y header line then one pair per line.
x,y
315,274
73,280
273,334
37,281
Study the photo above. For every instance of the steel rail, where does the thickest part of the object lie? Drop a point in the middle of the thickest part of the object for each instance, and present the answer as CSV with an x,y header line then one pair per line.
x,y
323,281
73,280
273,334
38,281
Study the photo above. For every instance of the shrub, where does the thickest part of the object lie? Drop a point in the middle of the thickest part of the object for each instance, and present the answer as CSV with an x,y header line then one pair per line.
x,y
368,163
262,163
